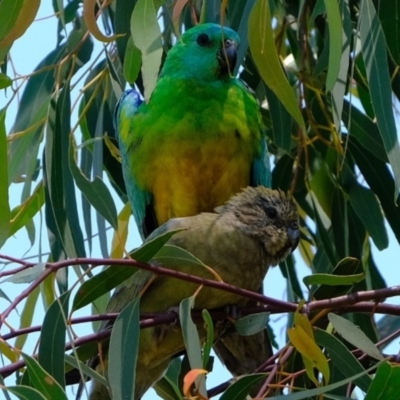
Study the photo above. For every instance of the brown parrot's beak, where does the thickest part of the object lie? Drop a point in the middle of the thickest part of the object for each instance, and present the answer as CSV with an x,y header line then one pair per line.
x,y
293,235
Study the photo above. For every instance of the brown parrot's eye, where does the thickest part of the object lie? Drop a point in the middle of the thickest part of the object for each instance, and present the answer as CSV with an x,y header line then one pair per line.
x,y
294,225
203,40
271,212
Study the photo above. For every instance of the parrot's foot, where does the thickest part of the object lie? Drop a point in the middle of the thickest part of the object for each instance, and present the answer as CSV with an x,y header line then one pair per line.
x,y
161,331
232,312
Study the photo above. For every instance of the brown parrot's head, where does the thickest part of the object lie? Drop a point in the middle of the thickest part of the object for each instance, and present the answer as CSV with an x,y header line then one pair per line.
x,y
270,217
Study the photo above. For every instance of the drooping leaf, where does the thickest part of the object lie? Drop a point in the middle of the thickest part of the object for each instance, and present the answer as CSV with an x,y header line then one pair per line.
x,y
389,15
374,53
192,342
339,87
15,18
366,206
42,381
342,358
4,204
335,42
354,335
5,81
95,191
385,383
332,280
240,389
146,36
24,213
123,352
52,339
252,324
263,50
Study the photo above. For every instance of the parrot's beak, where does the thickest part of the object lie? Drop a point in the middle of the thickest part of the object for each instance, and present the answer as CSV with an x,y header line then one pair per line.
x,y
227,55
293,233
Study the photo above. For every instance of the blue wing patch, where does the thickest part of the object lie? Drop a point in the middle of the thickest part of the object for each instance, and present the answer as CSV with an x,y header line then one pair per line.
x,y
141,201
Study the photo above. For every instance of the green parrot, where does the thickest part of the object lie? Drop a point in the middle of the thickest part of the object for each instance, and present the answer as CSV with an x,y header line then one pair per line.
x,y
198,140
255,229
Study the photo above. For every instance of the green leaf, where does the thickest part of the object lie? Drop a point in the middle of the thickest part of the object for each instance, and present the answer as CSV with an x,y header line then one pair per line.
x,y
113,276
123,352
364,130
42,381
98,162
62,215
387,325
335,42
174,256
5,81
239,13
380,180
26,14
240,389
24,213
25,392
122,17
52,338
342,358
9,11
34,104
146,36
167,390
385,385
389,15
191,338
27,316
132,63
79,365
323,389
322,186
208,323
263,50
339,88
167,387
252,324
366,206
96,192
373,47
354,335
4,204
324,236
190,333
27,275
30,117
281,121
332,280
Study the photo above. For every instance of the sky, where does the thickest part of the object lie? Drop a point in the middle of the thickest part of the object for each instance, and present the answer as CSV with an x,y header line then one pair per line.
x,y
26,53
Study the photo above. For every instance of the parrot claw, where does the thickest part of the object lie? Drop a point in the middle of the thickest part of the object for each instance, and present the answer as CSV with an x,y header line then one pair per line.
x,y
175,311
160,332
232,312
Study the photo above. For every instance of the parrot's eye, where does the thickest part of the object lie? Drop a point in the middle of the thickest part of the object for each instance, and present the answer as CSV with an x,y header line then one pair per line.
x,y
294,225
271,212
203,40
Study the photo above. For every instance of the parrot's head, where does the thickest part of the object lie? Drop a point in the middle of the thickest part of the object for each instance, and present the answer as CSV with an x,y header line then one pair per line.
x,y
270,217
206,52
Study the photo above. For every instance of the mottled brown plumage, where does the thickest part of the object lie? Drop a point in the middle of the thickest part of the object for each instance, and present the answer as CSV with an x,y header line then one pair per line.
x,y
255,229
